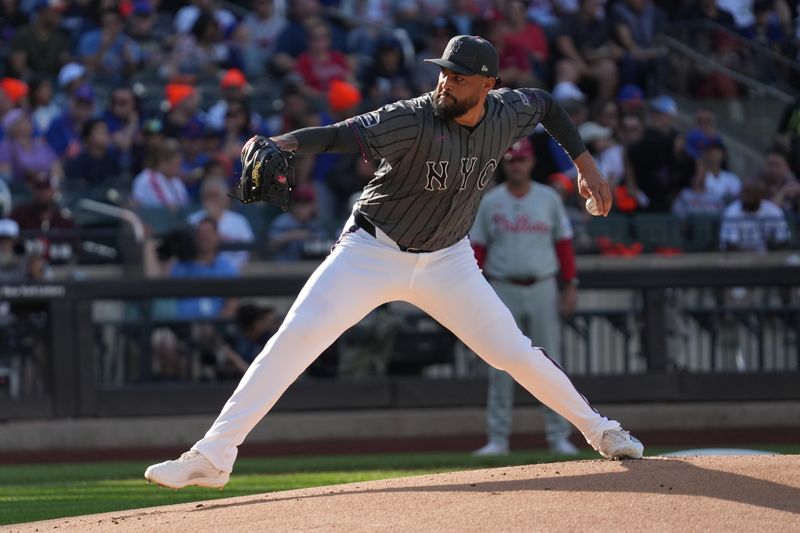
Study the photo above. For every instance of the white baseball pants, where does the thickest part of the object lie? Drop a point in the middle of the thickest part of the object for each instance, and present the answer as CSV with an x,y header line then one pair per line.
x,y
535,309
362,273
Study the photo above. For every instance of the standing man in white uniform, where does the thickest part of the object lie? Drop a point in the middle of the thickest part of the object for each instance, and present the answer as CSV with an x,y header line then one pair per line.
x,y
522,239
407,240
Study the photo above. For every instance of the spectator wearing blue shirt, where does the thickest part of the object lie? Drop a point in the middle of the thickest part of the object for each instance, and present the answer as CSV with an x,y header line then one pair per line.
x,y
97,166
298,234
189,345
207,263
123,122
194,157
254,327
64,133
107,51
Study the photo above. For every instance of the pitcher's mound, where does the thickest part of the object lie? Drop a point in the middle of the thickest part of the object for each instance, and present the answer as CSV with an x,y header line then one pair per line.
x,y
730,494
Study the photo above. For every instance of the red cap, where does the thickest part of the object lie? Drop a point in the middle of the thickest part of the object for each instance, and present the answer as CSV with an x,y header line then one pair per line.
x,y
233,78
15,89
43,180
177,93
342,96
521,148
303,193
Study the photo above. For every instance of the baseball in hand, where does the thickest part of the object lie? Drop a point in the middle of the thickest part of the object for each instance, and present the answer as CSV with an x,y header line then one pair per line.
x,y
591,207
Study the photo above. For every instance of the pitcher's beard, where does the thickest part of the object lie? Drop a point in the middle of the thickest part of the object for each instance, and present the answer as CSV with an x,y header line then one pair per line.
x,y
448,108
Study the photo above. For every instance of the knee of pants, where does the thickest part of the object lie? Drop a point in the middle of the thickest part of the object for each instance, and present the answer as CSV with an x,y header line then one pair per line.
x,y
510,360
297,339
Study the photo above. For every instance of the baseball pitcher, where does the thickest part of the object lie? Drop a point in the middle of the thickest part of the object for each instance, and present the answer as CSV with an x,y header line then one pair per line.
x,y
407,240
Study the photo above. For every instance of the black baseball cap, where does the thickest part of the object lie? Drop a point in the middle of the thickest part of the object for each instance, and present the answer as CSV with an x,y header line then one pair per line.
x,y
469,55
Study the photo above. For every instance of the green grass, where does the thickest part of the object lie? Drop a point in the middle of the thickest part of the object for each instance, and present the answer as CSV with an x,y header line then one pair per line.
x,y
40,492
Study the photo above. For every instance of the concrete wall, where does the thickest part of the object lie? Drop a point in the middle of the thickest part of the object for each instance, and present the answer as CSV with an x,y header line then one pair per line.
x,y
163,432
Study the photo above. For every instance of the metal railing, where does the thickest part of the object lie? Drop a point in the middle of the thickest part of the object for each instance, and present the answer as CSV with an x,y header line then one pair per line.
x,y
749,118
645,341
749,62
751,333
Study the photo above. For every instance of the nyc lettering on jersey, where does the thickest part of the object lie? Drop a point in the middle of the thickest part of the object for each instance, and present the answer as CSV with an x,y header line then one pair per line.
x,y
437,173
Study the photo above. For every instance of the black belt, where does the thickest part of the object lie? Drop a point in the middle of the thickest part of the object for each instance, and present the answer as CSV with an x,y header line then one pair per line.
x,y
525,282
363,223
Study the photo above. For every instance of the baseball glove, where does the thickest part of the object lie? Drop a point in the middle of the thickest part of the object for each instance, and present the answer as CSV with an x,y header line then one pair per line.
x,y
265,173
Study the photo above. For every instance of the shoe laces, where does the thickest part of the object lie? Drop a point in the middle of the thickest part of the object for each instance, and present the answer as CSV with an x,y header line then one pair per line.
x,y
188,456
621,432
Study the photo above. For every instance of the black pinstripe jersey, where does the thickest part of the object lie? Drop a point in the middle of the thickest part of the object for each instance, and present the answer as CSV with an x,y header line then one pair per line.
x,y
433,172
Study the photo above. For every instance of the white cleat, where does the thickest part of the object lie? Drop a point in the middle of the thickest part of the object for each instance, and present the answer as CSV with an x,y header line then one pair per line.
x,y
492,449
191,468
619,444
564,447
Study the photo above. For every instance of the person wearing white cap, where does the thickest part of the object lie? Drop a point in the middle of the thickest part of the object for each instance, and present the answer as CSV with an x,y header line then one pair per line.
x,y
607,152
9,229
587,51
70,77
567,90
69,74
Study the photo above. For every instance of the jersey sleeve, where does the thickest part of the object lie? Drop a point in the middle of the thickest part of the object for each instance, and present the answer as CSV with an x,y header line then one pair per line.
x,y
386,132
528,108
534,106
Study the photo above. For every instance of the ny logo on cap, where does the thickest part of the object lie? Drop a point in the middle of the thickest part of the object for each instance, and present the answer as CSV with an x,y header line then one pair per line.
x,y
455,48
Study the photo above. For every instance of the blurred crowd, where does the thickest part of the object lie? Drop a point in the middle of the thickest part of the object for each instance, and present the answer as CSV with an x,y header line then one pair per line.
x,y
146,104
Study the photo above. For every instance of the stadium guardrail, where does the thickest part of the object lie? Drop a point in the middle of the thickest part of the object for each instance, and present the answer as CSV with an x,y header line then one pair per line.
x,y
650,332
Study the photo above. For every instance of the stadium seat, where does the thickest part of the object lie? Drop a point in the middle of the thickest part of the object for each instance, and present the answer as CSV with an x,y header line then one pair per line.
x,y
657,230
701,233
615,227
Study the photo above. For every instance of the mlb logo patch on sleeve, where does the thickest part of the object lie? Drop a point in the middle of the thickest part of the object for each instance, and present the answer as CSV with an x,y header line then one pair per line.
x,y
369,120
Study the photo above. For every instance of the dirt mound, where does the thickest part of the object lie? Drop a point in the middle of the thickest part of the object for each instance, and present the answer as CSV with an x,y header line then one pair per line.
x,y
730,494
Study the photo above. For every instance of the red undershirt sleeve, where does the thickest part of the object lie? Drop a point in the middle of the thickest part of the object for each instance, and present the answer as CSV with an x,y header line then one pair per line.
x,y
566,259
480,254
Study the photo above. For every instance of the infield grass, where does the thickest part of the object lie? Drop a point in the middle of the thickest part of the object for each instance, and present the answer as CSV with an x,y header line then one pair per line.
x,y
39,492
